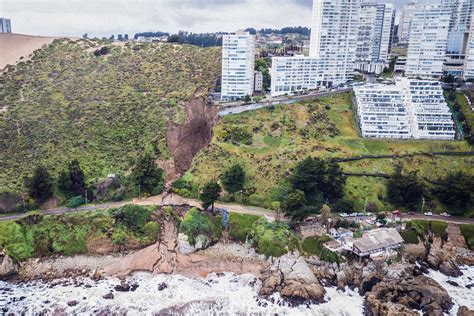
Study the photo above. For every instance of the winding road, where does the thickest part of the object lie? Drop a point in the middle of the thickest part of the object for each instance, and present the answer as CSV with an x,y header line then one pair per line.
x,y
174,199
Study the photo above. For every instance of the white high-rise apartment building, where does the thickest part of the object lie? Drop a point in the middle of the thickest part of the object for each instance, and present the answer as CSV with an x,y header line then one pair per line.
x,y
5,25
374,40
334,31
428,42
294,74
411,108
238,63
332,53
468,71
404,24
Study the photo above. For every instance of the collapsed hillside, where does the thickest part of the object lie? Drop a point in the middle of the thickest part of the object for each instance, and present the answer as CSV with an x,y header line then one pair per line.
x,y
72,100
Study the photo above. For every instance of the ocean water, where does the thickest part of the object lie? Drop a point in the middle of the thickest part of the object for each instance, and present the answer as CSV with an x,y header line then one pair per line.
x,y
225,294
461,294
217,295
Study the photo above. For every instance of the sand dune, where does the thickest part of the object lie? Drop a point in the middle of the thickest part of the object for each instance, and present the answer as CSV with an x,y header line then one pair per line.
x,y
15,46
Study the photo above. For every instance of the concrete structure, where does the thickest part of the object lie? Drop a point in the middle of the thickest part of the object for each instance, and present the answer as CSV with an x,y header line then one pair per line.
x,y
428,42
377,241
334,31
258,82
341,233
468,69
294,74
5,25
333,46
374,40
410,109
458,37
404,25
238,63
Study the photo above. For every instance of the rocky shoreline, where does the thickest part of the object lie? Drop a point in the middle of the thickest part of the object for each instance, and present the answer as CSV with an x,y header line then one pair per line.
x,y
401,288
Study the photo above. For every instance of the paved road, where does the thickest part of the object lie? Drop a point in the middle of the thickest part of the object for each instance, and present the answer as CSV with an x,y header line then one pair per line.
x,y
173,199
287,100
166,199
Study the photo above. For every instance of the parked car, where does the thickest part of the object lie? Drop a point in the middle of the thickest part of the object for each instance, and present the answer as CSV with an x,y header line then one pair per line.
x,y
411,213
343,215
428,214
445,214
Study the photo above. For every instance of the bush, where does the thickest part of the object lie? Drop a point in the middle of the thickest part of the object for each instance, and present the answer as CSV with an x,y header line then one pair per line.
x,y
409,236
75,202
314,245
133,217
194,224
14,241
119,237
420,227
467,230
240,225
272,239
151,231
439,228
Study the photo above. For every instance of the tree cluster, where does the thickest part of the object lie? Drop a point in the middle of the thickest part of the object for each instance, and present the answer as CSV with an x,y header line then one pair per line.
x,y
313,183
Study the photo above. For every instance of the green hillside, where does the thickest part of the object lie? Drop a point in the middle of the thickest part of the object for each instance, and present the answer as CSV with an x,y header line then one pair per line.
x,y
102,109
269,142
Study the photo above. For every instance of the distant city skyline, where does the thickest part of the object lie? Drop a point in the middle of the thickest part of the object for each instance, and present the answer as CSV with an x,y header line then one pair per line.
x,y
107,17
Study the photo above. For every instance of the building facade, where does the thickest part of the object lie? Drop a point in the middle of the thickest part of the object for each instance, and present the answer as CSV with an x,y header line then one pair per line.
x,y
238,63
404,25
409,109
5,25
334,31
294,74
374,39
468,69
428,42
258,82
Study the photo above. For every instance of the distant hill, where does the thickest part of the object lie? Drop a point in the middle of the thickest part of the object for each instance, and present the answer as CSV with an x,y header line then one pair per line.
x,y
14,47
99,102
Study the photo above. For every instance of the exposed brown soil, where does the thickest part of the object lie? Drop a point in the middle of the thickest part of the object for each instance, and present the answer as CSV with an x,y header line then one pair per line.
x,y
185,141
165,258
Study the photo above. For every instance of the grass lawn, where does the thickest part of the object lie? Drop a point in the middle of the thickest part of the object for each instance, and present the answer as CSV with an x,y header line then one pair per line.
x,y
325,128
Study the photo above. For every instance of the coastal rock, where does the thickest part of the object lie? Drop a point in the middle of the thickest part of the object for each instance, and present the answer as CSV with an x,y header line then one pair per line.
x,y
108,296
294,267
293,278
162,286
413,253
122,287
7,267
418,292
440,257
185,248
72,303
464,311
301,290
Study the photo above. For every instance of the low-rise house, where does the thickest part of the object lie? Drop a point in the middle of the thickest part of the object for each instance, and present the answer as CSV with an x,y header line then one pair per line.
x,y
340,233
377,241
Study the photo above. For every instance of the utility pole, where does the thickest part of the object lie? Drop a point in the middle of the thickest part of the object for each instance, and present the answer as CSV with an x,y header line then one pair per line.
x,y
85,195
139,191
365,205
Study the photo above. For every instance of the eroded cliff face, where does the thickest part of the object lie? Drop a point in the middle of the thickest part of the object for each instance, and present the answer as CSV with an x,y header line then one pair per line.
x,y
186,140
164,257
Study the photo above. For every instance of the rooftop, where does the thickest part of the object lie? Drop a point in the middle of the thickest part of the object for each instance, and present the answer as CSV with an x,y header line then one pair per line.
x,y
378,238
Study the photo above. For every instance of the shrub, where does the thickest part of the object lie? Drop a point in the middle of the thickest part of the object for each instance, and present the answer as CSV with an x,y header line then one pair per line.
x,y
240,225
467,230
314,245
151,231
14,241
133,217
75,202
119,237
409,236
420,227
195,223
168,211
272,239
438,228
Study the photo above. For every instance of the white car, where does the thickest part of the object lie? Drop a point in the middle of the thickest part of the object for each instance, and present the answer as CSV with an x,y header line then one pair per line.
x,y
344,215
428,214
445,214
